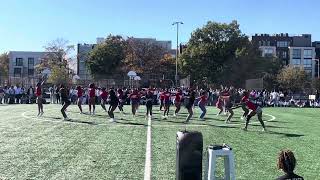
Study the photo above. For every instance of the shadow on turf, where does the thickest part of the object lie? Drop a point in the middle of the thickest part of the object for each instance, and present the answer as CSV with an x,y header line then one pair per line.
x,y
285,134
131,123
183,123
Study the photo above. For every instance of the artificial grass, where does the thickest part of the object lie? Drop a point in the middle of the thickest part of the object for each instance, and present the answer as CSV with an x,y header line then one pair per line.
x,y
46,148
92,148
255,151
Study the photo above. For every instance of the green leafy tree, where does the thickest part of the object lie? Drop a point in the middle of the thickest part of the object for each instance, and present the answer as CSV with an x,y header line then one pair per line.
x,y
57,59
106,58
210,51
249,64
292,78
144,56
219,53
316,84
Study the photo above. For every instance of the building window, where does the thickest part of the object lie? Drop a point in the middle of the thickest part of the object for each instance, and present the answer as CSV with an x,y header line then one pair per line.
x,y
307,63
30,72
17,72
19,62
296,61
307,53
296,53
268,52
268,43
284,54
282,44
31,62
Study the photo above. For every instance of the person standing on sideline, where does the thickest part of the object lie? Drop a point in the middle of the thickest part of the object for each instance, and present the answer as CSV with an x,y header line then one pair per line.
x,y
6,95
65,101
80,98
202,104
30,93
1,94
51,90
57,94
114,102
18,94
92,99
39,98
287,162
189,104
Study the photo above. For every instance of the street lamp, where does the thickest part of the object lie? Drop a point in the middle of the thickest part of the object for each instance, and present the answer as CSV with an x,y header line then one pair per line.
x,y
318,66
177,24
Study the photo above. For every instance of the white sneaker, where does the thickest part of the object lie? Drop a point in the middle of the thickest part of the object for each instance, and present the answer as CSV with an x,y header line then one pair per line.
x,y
66,119
242,118
174,115
111,120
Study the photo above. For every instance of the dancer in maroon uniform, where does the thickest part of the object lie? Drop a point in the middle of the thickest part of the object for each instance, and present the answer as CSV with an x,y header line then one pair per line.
x,y
39,98
255,110
135,98
166,102
177,101
219,105
104,96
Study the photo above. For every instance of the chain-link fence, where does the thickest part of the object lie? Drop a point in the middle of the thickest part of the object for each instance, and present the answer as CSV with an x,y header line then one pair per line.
x,y
122,80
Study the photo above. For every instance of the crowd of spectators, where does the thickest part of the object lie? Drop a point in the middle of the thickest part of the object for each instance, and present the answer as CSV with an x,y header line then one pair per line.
x,y
21,95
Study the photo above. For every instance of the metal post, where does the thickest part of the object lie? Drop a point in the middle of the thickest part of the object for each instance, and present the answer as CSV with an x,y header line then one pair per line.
x,y
176,76
177,50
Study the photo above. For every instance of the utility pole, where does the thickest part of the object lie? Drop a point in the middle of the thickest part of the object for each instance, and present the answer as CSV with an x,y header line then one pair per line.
x,y
177,50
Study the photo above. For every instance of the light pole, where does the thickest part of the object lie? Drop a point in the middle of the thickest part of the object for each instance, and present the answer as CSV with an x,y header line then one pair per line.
x,y
177,24
318,67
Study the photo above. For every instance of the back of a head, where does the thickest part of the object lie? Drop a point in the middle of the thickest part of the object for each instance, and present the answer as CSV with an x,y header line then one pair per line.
x,y
286,161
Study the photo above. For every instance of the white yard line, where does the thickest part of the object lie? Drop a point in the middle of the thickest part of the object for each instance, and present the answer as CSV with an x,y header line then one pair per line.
x,y
147,166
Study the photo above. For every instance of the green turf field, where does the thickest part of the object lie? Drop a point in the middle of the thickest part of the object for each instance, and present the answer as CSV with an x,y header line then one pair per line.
x,y
89,147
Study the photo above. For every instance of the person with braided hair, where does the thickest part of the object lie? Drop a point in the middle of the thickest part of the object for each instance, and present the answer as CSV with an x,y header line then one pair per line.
x,y
287,163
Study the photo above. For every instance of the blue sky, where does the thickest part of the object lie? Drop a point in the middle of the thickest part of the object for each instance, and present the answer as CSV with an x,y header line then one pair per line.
x,y
31,24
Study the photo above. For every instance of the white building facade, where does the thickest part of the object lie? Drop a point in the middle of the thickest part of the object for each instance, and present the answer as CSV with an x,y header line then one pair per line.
x,y
22,67
303,57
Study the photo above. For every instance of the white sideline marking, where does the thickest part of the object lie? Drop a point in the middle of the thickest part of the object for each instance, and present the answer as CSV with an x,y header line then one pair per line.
x,y
147,166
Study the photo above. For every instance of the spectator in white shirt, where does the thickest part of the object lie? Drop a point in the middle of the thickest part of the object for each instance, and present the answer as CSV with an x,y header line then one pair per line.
x,y
18,94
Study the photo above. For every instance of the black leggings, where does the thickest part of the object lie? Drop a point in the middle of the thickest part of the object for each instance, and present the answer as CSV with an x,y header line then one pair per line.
x,y
64,107
110,111
149,109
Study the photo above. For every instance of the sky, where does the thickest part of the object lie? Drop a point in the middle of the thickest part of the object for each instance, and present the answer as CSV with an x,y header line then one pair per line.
x,y
28,25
